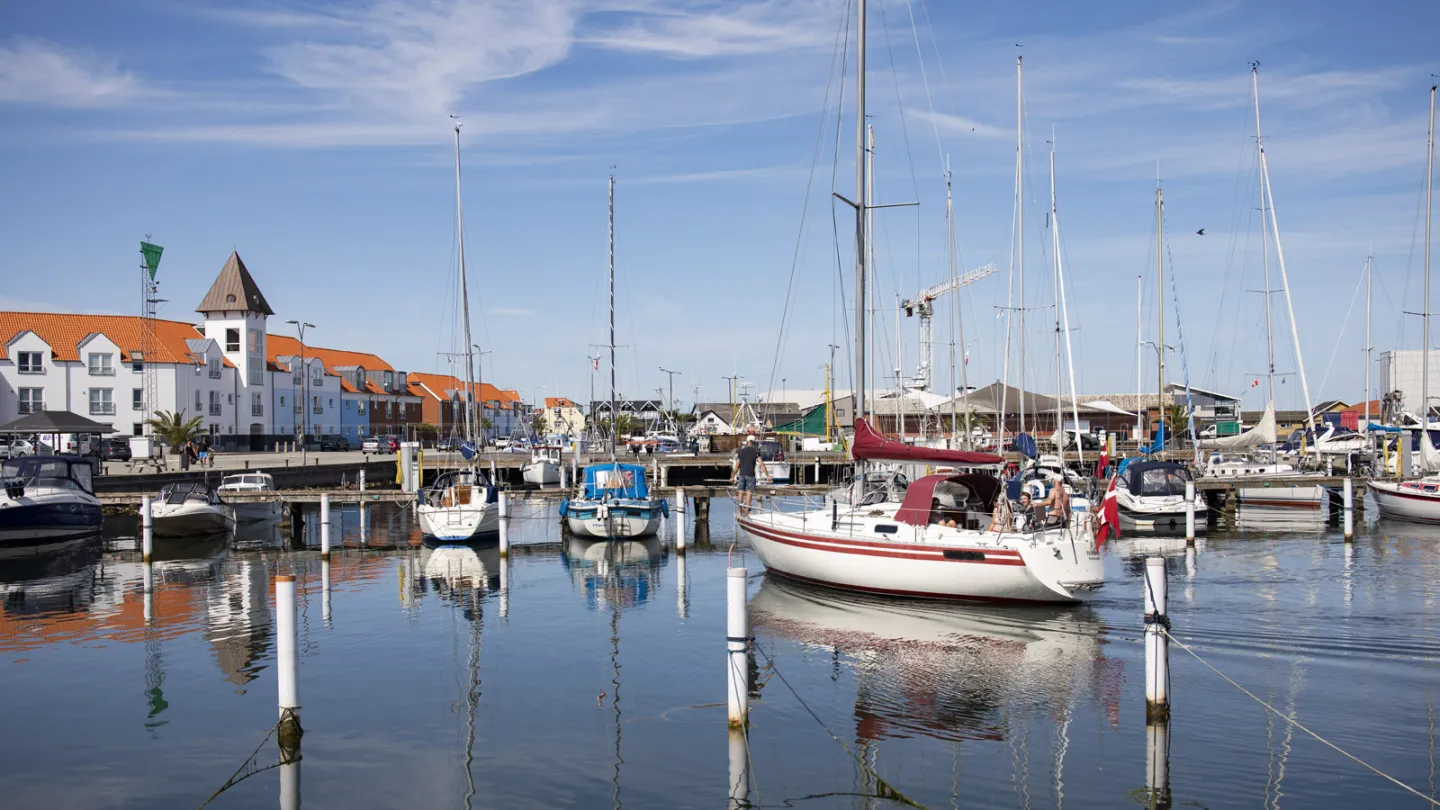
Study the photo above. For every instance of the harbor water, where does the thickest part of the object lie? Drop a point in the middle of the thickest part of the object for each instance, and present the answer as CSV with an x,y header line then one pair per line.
x,y
582,674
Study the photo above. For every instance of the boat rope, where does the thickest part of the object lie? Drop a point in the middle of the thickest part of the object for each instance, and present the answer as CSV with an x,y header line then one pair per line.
x,y
1297,724
882,787
244,771
1344,324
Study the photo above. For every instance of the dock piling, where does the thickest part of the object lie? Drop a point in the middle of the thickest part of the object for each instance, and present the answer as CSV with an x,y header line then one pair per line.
x,y
1349,505
287,662
1190,512
505,586
325,527
1157,644
325,591
504,530
147,531
1157,764
737,643
362,479
739,771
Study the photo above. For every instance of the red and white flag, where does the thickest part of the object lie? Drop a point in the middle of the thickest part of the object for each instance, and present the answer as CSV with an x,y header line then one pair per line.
x,y
1109,516
1102,463
1257,382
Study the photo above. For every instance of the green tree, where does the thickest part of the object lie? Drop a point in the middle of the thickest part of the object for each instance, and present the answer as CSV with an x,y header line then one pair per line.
x,y
1177,416
625,425
540,425
173,428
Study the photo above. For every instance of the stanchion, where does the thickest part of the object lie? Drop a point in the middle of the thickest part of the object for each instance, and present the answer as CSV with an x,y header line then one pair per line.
x,y
147,529
1190,512
325,526
737,641
1157,645
1349,509
287,663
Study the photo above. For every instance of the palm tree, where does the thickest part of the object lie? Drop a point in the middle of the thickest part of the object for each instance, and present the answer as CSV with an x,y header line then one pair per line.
x,y
173,428
1178,417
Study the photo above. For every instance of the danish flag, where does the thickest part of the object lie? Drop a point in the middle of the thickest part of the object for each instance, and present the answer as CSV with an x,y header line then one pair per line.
x,y
1109,516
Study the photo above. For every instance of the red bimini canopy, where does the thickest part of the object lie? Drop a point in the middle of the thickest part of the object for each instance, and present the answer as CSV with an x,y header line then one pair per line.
x,y
871,446
919,497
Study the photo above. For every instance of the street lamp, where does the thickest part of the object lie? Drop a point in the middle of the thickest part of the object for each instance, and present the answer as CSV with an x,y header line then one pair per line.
x,y
301,326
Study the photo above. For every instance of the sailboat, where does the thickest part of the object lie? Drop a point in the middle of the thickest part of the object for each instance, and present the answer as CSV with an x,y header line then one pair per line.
x,y
1419,499
613,501
462,503
887,535
1231,467
1151,494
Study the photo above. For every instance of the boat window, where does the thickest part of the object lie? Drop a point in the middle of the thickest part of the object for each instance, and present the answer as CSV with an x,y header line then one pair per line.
x,y
887,528
1163,481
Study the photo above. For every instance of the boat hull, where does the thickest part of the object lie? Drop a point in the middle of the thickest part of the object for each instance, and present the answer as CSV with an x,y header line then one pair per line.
x,y
924,570
187,520
1394,502
611,522
27,520
1295,496
458,523
540,473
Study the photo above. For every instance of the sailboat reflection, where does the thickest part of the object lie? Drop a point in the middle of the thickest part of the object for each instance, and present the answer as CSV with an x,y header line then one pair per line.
x,y
457,572
621,573
943,671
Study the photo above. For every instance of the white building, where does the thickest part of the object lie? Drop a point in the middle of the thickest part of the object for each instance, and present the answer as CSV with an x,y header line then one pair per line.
x,y
1400,371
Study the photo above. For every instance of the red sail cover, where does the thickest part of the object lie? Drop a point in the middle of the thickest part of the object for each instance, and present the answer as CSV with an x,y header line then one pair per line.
x,y
871,446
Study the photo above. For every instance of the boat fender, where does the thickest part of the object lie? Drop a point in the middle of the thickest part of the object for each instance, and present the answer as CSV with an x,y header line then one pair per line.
x,y
665,508
564,507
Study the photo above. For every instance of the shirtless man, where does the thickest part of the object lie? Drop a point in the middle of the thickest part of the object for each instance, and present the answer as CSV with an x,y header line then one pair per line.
x,y
1057,503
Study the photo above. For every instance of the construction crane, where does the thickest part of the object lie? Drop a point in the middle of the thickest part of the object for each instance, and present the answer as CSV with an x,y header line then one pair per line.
x,y
923,304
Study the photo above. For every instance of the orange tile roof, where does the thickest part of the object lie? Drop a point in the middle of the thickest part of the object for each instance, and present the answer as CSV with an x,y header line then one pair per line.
x,y
64,331
277,345
440,383
559,402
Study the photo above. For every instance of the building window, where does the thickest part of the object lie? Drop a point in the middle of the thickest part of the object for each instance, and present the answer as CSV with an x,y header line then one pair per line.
x,y
214,403
332,402
101,364
199,406
137,362
360,408
30,363
137,399
257,408
232,340
360,378
214,365
389,381
315,405
32,400
282,400
257,370
137,430
214,430
102,401
254,335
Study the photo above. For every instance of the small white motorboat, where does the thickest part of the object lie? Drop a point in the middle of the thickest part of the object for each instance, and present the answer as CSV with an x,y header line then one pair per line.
x,y
256,512
189,509
1151,497
543,468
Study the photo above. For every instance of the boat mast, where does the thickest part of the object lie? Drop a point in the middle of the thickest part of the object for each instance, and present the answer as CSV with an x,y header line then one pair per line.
x,y
612,319
1429,192
464,301
1269,203
1265,258
869,205
1055,251
959,318
1369,280
1160,305
1139,360
1020,214
860,219
1064,310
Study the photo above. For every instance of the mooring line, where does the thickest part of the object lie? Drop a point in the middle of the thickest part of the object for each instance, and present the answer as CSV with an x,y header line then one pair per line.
x,y
232,781
884,788
1297,724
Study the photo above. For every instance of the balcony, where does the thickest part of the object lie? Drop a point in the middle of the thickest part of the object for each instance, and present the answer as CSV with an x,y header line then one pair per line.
x,y
299,408
214,372
28,369
214,409
102,409
317,410
102,371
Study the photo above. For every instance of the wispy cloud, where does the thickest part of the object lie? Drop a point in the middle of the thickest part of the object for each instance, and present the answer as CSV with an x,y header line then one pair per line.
x,y
512,312
959,125
35,71
727,29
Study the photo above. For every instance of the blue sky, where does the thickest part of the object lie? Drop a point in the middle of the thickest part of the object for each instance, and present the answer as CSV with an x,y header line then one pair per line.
x,y
314,138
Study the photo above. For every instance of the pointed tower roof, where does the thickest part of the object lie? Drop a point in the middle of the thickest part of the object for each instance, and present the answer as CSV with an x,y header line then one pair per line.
x,y
234,289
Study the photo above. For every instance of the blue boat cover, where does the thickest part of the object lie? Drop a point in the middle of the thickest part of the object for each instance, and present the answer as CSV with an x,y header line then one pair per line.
x,y
615,480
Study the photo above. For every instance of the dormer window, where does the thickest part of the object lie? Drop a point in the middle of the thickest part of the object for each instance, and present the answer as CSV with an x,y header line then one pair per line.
x,y
230,299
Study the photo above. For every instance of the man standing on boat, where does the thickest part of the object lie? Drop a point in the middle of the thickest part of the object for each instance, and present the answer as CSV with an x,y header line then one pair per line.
x,y
743,473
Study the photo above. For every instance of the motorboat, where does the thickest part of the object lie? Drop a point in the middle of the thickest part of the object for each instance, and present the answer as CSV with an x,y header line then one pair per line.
x,y
253,482
927,539
187,509
772,455
613,502
1273,486
1151,497
543,468
48,498
461,504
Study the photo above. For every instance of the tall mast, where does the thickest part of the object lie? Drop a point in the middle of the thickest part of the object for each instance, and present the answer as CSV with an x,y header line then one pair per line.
x,y
1369,280
860,211
1429,192
464,301
959,317
1160,305
1055,255
1064,310
612,319
869,205
1264,247
1020,215
1139,359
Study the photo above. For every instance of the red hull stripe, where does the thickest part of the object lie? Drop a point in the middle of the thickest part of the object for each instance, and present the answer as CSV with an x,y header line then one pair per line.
x,y
997,557
1432,498
750,524
912,594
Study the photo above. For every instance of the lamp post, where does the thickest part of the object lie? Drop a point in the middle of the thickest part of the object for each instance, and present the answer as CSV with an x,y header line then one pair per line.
x,y
300,327
670,403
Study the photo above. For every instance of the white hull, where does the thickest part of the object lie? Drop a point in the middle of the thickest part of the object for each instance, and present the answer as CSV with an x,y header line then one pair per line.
x,y
874,554
191,519
611,526
541,473
1297,496
1396,501
458,522
1158,512
778,471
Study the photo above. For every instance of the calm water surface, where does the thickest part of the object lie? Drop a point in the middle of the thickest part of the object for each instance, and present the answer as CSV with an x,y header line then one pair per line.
x,y
586,675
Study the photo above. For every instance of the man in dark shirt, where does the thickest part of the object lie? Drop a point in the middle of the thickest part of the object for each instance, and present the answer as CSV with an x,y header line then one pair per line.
x,y
743,474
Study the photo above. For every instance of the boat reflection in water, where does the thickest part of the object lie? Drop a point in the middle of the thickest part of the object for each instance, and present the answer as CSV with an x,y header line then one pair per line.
x,y
614,573
1280,519
945,671
56,577
462,574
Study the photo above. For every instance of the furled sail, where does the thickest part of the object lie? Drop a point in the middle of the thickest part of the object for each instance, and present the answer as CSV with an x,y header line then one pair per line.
x,y
1262,434
870,445
1429,456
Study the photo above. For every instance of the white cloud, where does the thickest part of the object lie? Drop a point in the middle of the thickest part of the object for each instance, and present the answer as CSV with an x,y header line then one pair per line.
x,y
964,127
727,29
512,312
34,71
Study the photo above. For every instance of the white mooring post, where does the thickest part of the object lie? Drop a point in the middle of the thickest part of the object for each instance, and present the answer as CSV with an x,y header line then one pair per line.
x,y
286,659
1157,764
504,534
1190,512
737,642
504,586
289,783
362,479
147,531
682,607
817,471
504,505
148,597
1349,508
325,591
1157,644
325,527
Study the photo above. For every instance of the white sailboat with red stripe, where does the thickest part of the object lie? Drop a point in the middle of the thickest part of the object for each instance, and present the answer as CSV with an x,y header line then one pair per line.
x,y
887,535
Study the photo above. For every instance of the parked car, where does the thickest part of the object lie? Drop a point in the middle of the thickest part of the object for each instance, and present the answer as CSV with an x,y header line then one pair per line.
x,y
20,448
502,443
371,444
115,449
335,443
448,444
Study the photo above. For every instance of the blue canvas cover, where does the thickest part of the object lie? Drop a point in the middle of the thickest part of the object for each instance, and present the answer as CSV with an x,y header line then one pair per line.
x,y
615,481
